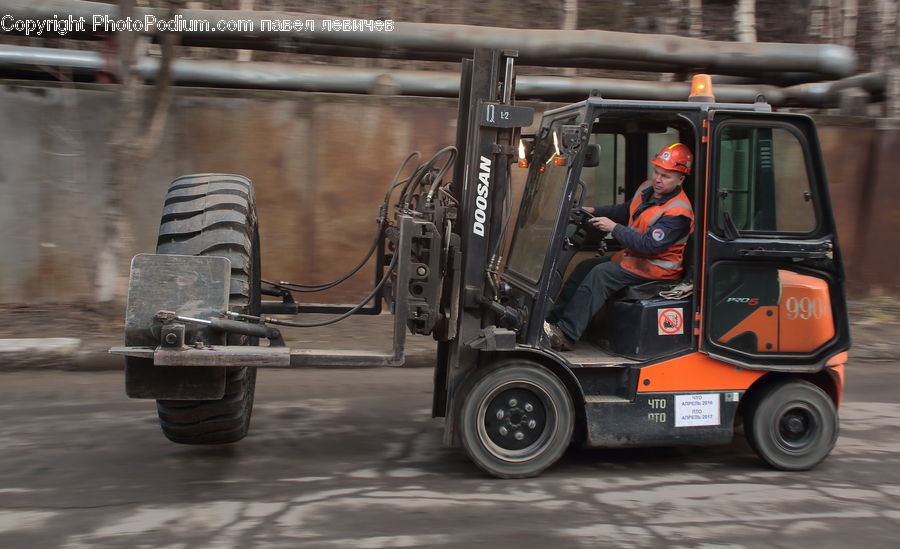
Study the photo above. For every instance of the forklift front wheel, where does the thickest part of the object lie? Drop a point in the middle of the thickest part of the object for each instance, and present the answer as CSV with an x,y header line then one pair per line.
x,y
516,420
792,425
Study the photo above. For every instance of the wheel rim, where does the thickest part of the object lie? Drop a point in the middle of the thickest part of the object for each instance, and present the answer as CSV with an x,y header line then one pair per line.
x,y
796,428
517,421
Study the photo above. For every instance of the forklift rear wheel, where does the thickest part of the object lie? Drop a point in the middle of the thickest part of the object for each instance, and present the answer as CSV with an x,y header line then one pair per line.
x,y
215,215
792,425
516,420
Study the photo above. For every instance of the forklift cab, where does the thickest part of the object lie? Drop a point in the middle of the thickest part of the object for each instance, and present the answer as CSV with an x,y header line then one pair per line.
x,y
615,147
765,275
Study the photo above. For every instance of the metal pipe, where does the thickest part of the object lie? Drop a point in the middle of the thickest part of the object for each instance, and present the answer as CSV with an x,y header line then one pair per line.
x,y
508,81
581,48
315,78
873,82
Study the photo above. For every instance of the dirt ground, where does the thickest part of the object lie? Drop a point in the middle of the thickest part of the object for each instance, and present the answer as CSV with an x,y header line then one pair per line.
x,y
875,329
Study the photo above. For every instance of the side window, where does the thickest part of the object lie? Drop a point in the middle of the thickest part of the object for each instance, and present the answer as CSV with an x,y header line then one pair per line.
x,y
763,182
604,182
541,200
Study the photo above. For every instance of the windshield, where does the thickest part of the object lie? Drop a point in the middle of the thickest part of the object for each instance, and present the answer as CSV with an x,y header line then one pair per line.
x,y
540,203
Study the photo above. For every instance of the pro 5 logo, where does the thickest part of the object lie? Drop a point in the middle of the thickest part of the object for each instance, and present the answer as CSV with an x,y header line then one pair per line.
x,y
751,301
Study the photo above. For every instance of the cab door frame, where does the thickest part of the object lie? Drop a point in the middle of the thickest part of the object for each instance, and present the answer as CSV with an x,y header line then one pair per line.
x,y
815,254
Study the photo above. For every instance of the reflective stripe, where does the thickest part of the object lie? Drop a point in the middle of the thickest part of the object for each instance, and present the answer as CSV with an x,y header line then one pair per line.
x,y
682,240
671,265
640,189
667,207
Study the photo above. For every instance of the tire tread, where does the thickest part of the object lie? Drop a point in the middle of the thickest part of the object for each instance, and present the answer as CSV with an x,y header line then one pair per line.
x,y
213,215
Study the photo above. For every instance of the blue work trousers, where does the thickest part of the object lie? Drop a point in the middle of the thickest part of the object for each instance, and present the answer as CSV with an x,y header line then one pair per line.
x,y
585,292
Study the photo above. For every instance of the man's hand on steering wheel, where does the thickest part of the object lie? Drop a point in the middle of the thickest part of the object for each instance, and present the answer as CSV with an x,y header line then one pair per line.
x,y
604,224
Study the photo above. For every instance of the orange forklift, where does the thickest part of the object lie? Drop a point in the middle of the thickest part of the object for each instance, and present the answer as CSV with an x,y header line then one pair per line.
x,y
755,332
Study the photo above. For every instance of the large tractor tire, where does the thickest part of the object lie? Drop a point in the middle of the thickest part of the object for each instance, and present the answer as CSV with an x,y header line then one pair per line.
x,y
215,215
516,419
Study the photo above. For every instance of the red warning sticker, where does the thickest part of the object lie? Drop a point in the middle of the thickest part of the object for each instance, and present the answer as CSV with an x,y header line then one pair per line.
x,y
670,321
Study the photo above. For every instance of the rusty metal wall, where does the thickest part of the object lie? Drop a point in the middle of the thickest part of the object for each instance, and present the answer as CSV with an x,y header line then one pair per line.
x,y
860,157
320,163
880,265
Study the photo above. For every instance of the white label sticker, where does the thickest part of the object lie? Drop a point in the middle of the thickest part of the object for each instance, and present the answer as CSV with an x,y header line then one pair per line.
x,y
697,410
670,321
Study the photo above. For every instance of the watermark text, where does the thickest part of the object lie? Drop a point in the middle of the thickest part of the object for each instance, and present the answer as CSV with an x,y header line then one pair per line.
x,y
178,23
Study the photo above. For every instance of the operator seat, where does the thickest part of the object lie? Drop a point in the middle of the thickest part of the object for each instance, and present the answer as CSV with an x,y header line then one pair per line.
x,y
640,324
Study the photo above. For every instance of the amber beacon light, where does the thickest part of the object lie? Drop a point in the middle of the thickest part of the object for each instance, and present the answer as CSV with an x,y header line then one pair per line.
x,y
701,88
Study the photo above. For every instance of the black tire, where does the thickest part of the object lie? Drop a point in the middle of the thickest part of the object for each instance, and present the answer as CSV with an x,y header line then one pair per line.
x,y
792,425
215,215
516,399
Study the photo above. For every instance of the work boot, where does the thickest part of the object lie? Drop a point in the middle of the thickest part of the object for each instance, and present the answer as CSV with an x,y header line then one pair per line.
x,y
559,341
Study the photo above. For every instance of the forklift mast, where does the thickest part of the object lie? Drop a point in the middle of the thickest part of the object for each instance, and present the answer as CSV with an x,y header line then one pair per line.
x,y
488,127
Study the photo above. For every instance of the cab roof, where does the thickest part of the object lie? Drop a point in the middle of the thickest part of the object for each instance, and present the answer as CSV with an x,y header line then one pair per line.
x,y
598,103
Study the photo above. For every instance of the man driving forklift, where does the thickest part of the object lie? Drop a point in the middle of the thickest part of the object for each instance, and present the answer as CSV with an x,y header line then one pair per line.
x,y
653,229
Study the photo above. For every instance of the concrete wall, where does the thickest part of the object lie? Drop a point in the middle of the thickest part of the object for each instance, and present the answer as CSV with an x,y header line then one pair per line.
x,y
320,163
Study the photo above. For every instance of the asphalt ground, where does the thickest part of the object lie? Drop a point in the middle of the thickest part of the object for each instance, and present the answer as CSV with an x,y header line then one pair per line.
x,y
352,458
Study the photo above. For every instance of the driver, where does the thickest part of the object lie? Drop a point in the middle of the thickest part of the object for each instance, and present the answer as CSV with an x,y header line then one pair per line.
x,y
653,228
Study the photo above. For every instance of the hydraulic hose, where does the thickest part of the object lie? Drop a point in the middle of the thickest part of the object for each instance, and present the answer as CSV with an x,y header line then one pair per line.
x,y
296,287
409,186
312,288
344,315
424,170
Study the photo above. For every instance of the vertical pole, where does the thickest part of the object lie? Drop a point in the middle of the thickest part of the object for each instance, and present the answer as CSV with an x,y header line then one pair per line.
x,y
481,179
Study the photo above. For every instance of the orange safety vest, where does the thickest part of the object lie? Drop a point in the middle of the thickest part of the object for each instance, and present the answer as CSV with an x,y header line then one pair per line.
x,y
667,264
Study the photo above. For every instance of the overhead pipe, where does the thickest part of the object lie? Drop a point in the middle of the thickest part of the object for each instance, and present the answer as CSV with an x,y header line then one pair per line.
x,y
781,79
443,42
322,78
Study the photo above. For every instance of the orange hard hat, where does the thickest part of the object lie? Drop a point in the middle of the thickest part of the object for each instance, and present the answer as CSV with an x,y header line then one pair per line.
x,y
675,157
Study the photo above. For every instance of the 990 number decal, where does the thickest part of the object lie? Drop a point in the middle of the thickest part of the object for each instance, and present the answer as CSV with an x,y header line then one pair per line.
x,y
804,308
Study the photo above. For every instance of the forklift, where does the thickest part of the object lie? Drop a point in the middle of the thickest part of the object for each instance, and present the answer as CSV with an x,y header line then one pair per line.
x,y
755,334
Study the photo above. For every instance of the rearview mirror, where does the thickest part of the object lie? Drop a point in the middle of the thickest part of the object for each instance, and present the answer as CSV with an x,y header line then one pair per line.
x,y
592,156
